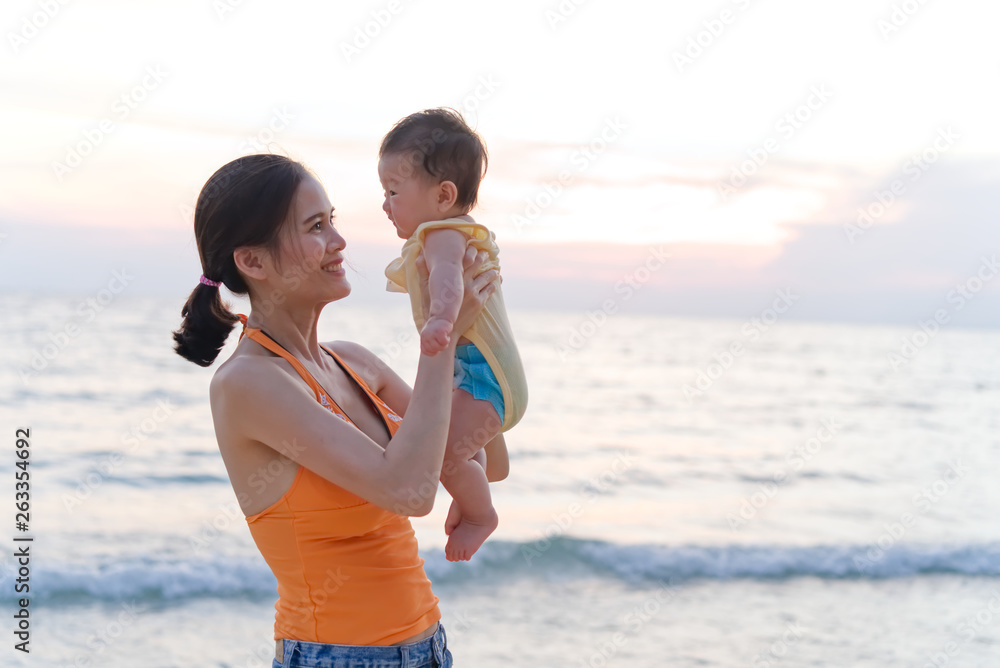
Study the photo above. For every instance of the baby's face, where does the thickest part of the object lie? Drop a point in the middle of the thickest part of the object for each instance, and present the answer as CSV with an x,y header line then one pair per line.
x,y
410,197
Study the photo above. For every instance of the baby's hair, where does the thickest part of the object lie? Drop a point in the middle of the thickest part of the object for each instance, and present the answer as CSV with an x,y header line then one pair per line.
x,y
441,144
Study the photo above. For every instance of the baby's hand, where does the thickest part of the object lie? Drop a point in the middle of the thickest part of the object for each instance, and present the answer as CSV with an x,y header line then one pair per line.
x,y
435,335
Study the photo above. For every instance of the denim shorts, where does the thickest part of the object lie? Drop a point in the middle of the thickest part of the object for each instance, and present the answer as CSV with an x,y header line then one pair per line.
x,y
430,652
474,375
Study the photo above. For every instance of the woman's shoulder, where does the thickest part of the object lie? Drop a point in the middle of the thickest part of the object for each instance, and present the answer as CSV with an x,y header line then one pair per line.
x,y
245,372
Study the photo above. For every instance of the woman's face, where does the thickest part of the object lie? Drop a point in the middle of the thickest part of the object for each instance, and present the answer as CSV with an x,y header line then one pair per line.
x,y
309,260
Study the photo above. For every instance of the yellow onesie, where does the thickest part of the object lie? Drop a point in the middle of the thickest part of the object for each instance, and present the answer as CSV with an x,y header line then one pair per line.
x,y
490,333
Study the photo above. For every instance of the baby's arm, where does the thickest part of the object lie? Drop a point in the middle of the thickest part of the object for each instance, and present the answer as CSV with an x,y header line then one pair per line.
x,y
444,249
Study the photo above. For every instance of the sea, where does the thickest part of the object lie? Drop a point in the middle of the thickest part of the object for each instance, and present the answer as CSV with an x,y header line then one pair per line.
x,y
683,492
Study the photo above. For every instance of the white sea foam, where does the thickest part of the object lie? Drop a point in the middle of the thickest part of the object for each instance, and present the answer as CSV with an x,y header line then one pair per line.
x,y
559,560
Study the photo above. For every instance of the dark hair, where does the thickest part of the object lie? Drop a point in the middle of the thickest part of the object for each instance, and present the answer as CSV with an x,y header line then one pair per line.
x,y
243,204
444,147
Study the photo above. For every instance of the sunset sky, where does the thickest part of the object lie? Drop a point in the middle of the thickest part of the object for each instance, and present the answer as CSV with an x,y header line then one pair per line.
x,y
741,137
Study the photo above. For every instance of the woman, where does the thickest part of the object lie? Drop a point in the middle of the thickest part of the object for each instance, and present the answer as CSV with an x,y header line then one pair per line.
x,y
322,464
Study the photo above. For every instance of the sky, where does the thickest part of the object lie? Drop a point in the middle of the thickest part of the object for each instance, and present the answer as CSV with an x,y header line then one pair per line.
x,y
697,157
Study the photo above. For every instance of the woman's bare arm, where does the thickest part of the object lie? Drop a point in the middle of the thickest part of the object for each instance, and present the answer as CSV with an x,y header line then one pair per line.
x,y
394,391
255,400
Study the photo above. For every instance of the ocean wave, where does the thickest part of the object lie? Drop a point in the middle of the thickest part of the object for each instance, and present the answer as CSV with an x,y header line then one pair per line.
x,y
563,557
145,578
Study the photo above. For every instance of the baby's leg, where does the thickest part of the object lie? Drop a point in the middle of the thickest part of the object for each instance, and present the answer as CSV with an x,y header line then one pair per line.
x,y
454,514
474,423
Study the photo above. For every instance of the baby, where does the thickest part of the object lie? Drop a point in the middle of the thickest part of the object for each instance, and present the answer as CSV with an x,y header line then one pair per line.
x,y
430,166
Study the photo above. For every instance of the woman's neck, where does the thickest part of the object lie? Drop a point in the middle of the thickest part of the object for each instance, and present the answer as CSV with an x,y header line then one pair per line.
x,y
294,328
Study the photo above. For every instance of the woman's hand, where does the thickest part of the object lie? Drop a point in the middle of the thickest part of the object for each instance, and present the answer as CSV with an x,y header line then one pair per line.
x,y
478,286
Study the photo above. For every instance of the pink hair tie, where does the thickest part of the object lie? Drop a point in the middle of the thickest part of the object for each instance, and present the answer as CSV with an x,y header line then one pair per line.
x,y
209,283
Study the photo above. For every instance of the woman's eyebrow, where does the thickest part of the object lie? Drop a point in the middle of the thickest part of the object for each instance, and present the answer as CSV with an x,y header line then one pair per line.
x,y
320,216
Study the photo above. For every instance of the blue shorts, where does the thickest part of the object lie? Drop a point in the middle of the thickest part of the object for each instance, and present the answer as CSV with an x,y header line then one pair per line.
x,y
430,652
474,375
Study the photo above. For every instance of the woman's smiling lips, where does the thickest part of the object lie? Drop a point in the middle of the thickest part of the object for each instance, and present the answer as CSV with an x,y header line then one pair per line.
x,y
334,267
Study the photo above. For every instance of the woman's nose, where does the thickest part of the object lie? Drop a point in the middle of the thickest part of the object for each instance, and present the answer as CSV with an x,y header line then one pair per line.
x,y
336,240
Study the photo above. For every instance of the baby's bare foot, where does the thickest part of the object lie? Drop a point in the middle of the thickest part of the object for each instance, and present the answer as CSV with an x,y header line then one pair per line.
x,y
466,538
435,336
454,517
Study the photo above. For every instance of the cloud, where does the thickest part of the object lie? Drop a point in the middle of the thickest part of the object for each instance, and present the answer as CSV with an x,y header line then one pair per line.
x,y
902,265
899,269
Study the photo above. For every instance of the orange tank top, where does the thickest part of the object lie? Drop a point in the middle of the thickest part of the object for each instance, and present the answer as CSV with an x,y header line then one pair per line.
x,y
348,571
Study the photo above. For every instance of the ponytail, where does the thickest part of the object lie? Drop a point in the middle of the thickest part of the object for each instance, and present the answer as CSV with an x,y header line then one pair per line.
x,y
243,204
206,326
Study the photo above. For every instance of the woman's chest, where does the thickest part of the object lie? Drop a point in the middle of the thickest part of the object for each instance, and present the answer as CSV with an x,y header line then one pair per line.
x,y
345,393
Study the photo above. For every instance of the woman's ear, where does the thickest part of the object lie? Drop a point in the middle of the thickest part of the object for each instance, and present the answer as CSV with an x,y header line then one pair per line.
x,y
250,262
447,195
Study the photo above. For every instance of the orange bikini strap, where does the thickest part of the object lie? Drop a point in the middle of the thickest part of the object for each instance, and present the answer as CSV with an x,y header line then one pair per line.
x,y
390,418
261,338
